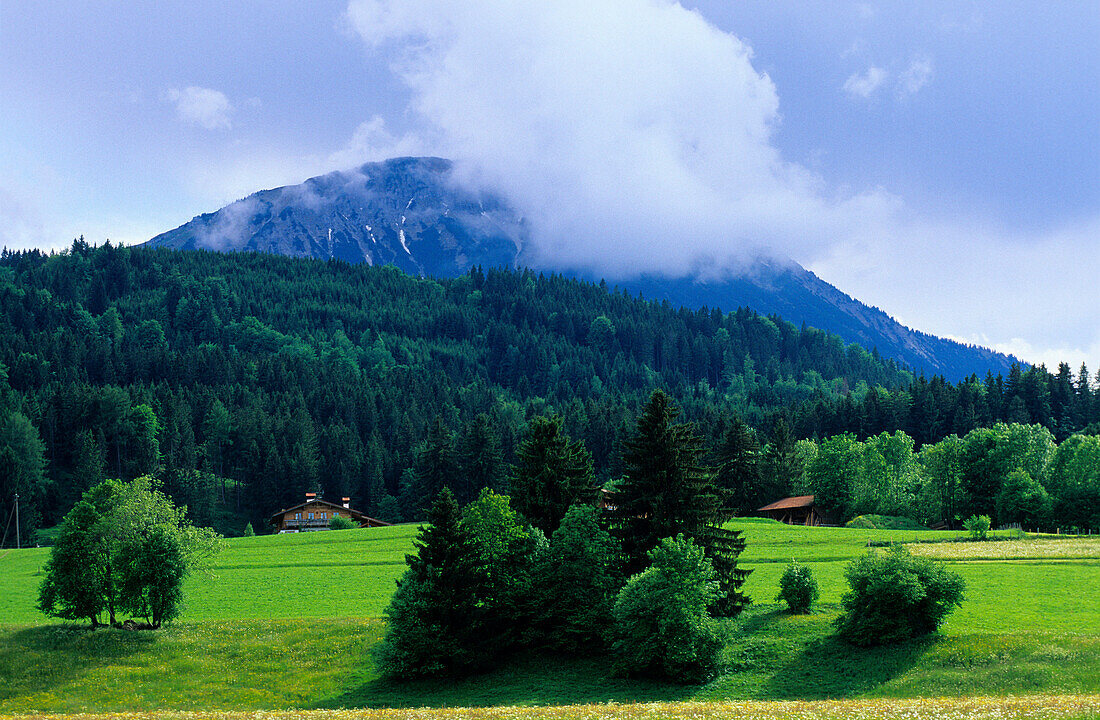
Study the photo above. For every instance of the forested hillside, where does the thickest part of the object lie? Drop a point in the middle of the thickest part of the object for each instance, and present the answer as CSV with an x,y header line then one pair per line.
x,y
419,215
244,380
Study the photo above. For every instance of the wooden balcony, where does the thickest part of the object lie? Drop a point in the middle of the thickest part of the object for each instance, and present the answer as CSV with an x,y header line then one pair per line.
x,y
306,523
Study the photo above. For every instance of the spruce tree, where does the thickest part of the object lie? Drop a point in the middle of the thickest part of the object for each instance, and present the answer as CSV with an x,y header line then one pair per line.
x,y
722,547
781,464
481,458
552,472
436,466
433,616
739,472
665,491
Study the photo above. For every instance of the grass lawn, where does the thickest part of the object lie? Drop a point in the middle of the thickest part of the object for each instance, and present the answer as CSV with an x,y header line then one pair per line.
x,y
288,622
350,573
243,664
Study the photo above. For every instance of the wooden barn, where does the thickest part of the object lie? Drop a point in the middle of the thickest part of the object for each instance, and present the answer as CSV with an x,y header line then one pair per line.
x,y
316,514
798,510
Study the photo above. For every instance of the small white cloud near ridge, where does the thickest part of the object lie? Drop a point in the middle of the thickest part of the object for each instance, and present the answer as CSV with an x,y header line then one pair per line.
x,y
200,106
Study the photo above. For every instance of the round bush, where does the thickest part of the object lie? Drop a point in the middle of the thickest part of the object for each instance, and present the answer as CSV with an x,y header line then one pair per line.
x,y
977,526
798,588
894,597
339,522
861,522
662,627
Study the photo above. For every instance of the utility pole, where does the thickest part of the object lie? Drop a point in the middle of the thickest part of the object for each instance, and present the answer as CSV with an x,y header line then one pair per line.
x,y
18,545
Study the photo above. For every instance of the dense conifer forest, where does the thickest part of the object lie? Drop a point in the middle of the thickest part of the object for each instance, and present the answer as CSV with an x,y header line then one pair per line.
x,y
241,381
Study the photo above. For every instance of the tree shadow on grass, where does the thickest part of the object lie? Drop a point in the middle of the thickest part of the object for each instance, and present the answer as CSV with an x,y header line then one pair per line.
x,y
42,658
830,668
523,680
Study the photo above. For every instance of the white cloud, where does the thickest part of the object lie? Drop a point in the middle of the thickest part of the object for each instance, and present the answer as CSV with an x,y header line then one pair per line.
x,y
866,83
949,278
633,133
232,178
915,77
204,107
637,137
909,81
866,11
371,142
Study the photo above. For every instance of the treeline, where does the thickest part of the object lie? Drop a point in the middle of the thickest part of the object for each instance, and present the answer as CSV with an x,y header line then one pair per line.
x,y
930,409
242,381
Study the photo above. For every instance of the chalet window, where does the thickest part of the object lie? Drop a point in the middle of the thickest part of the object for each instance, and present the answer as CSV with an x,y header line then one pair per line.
x,y
311,516
322,516
297,516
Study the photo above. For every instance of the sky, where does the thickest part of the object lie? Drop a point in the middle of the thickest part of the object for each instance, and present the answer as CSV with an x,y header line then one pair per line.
x,y
938,160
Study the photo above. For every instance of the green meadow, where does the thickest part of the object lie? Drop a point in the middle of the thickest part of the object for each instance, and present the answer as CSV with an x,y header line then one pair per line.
x,y
289,621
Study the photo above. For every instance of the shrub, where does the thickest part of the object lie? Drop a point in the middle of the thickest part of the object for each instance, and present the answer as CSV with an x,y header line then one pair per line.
x,y
861,522
339,522
884,522
662,627
248,531
977,526
798,588
895,596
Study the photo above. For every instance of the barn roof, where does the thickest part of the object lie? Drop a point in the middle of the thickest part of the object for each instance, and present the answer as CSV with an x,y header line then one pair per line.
x,y
798,501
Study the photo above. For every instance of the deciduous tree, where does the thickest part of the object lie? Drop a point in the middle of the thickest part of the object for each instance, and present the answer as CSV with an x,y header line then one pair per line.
x,y
124,548
662,626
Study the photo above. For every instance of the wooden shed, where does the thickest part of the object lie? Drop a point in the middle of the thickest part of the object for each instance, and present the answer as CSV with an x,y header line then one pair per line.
x,y
316,514
798,510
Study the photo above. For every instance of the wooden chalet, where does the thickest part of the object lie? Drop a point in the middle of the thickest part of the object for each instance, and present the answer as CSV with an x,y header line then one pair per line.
x,y
316,514
798,510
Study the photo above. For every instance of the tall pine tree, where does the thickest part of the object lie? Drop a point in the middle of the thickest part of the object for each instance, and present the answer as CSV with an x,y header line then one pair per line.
x,y
481,458
665,491
433,617
436,466
739,475
553,471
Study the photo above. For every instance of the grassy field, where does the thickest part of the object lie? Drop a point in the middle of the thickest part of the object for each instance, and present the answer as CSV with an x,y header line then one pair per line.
x,y
288,622
307,575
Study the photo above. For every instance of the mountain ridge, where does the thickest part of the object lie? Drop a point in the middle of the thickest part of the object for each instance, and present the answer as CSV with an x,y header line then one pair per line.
x,y
411,212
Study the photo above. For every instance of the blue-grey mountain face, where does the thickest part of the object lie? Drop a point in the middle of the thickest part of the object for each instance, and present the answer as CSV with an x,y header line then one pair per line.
x,y
411,213
403,212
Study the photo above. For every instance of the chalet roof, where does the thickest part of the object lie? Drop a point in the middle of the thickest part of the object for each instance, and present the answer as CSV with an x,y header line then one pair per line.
x,y
798,501
355,514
